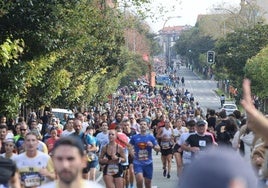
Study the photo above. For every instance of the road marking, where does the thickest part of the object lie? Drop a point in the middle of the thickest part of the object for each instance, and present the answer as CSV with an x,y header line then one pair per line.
x,y
154,186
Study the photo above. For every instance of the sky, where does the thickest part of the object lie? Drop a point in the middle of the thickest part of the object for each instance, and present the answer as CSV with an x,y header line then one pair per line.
x,y
184,12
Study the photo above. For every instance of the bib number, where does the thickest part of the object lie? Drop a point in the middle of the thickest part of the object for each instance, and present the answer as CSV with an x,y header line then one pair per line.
x,y
112,169
143,155
165,145
32,181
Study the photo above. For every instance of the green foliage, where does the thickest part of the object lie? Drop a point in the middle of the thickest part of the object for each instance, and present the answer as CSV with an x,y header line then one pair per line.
x,y
256,70
10,52
63,53
233,51
192,44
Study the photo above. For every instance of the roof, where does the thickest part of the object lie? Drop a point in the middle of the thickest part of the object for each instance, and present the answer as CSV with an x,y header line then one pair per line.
x,y
174,29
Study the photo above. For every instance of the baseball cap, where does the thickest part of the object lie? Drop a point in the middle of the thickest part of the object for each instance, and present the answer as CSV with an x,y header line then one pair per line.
x,y
201,123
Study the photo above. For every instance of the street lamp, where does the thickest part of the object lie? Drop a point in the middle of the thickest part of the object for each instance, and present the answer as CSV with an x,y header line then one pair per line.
x,y
167,43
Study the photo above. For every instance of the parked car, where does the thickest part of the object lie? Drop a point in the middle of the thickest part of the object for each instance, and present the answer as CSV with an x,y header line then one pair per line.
x,y
59,113
229,108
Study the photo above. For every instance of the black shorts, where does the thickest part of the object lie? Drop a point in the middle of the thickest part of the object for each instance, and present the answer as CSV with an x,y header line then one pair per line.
x,y
166,152
91,164
176,148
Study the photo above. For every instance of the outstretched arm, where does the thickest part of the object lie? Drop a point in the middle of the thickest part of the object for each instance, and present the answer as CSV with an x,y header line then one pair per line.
x,y
256,121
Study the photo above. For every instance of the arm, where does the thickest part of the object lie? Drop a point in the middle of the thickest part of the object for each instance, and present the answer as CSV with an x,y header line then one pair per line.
x,y
256,121
102,159
48,171
123,156
15,180
159,133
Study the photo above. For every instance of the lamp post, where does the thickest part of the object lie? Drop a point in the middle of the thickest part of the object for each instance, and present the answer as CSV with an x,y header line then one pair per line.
x,y
167,43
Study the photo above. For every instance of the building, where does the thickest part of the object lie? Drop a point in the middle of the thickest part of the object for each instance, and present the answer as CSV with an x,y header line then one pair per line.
x,y
167,39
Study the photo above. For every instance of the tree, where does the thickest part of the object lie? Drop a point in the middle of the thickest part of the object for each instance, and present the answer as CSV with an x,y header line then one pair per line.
x,y
192,44
234,50
71,49
256,70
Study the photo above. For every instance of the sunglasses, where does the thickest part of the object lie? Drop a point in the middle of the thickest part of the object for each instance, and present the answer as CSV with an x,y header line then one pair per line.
x,y
23,129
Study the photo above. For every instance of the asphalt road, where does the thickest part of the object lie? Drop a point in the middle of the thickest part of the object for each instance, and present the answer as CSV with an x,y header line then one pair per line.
x,y
204,93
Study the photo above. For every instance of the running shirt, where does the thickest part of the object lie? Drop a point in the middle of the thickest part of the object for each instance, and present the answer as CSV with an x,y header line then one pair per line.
x,y
84,184
203,142
143,153
29,168
187,155
91,140
166,138
178,132
102,139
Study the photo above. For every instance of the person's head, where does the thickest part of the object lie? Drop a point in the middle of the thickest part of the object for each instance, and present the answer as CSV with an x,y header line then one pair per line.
x,y
191,125
69,124
23,129
119,128
131,117
201,127
3,132
31,142
17,128
33,124
3,119
80,116
112,135
167,123
90,130
77,125
126,126
143,126
178,123
53,132
68,165
226,166
212,112
9,145
223,114
104,116
104,126
118,117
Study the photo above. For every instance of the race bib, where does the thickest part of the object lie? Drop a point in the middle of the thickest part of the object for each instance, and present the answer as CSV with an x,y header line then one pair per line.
x,y
165,145
186,157
202,143
112,169
143,155
32,181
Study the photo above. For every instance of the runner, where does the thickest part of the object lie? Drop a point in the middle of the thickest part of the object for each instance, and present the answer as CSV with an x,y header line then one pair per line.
x,y
112,155
165,134
143,144
35,167
69,165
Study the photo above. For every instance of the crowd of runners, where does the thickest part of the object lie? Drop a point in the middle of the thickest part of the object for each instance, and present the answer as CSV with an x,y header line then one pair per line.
x,y
120,138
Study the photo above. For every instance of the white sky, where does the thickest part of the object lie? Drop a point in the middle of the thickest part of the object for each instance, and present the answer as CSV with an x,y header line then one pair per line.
x,y
188,11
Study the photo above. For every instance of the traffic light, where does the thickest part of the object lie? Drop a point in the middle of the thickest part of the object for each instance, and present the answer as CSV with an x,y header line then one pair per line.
x,y
210,57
